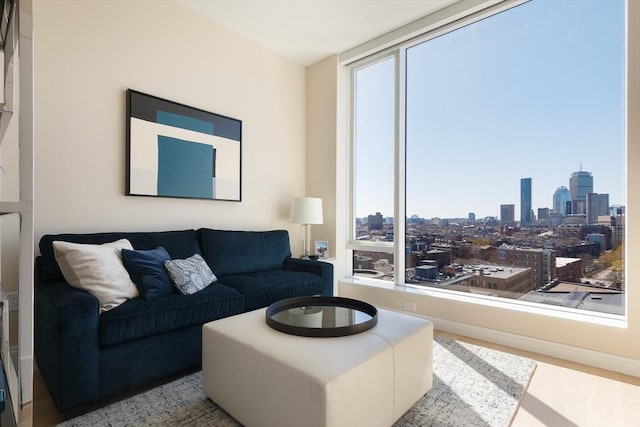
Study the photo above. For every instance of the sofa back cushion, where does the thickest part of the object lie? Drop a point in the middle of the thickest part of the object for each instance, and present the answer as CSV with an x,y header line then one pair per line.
x,y
179,244
236,252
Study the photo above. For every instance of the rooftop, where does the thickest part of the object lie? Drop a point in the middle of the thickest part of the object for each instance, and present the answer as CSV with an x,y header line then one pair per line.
x,y
562,261
573,295
501,272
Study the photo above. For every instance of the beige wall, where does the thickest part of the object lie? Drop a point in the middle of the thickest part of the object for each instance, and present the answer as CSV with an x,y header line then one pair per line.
x,y
89,52
321,146
603,340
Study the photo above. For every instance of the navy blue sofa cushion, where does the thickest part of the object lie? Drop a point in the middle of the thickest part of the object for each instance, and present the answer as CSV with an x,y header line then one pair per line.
x,y
236,252
146,269
261,289
179,244
139,318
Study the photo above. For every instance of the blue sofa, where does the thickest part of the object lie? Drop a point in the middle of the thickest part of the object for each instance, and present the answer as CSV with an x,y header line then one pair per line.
x,y
85,356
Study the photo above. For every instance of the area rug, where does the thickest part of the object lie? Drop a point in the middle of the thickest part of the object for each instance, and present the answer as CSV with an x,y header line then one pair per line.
x,y
472,386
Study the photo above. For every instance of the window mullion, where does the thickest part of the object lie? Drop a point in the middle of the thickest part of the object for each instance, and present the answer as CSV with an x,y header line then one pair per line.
x,y
399,222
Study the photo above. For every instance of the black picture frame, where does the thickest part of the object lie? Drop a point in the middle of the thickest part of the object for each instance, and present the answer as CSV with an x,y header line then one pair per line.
x,y
174,150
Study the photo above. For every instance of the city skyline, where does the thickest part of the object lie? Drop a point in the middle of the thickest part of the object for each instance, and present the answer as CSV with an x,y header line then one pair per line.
x,y
485,111
514,206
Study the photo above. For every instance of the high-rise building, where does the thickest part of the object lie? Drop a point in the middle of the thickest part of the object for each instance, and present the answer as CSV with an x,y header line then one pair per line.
x,y
507,213
472,216
526,214
375,222
560,198
580,184
579,207
616,210
543,213
568,207
543,217
597,204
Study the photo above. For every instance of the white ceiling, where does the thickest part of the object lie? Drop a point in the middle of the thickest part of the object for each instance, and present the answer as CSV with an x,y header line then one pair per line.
x,y
307,31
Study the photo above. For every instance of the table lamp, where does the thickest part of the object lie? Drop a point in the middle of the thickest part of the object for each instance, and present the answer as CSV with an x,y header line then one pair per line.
x,y
306,211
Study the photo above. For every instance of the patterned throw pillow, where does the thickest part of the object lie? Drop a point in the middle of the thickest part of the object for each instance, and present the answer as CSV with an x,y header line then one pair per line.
x,y
190,275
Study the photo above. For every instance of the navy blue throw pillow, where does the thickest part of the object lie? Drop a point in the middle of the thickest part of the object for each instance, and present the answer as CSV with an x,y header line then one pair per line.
x,y
147,271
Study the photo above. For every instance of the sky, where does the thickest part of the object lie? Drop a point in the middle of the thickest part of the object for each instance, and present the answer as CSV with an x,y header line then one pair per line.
x,y
535,92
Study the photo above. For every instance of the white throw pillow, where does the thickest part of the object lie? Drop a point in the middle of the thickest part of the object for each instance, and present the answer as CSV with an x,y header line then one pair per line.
x,y
97,269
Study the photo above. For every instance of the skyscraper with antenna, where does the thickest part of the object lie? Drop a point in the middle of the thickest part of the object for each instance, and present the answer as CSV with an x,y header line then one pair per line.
x,y
580,184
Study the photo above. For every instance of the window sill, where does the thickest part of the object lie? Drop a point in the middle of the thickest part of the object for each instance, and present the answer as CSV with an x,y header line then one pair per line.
x,y
603,319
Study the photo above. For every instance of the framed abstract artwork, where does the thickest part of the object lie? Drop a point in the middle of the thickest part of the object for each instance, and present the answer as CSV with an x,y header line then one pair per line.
x,y
174,150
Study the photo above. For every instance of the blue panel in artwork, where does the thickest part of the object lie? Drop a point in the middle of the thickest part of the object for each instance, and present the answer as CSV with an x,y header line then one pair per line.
x,y
184,122
185,168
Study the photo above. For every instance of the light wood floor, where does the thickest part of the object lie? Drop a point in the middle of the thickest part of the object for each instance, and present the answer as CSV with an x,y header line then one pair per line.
x,y
561,394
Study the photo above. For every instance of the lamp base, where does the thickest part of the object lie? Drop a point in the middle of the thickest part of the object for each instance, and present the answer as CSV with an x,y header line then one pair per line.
x,y
307,239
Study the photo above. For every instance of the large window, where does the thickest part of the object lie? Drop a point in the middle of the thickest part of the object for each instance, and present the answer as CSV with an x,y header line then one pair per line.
x,y
512,179
373,169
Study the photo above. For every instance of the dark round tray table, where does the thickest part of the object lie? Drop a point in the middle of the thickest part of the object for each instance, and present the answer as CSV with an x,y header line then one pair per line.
x,y
321,316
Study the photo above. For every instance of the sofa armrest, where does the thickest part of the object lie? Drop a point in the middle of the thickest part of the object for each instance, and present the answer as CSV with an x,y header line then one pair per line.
x,y
66,327
323,269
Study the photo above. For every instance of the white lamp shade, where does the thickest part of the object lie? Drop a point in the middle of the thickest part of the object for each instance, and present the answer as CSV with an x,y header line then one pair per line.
x,y
306,210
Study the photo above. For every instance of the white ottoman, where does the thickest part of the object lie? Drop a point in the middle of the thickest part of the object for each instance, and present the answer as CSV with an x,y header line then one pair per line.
x,y
266,378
